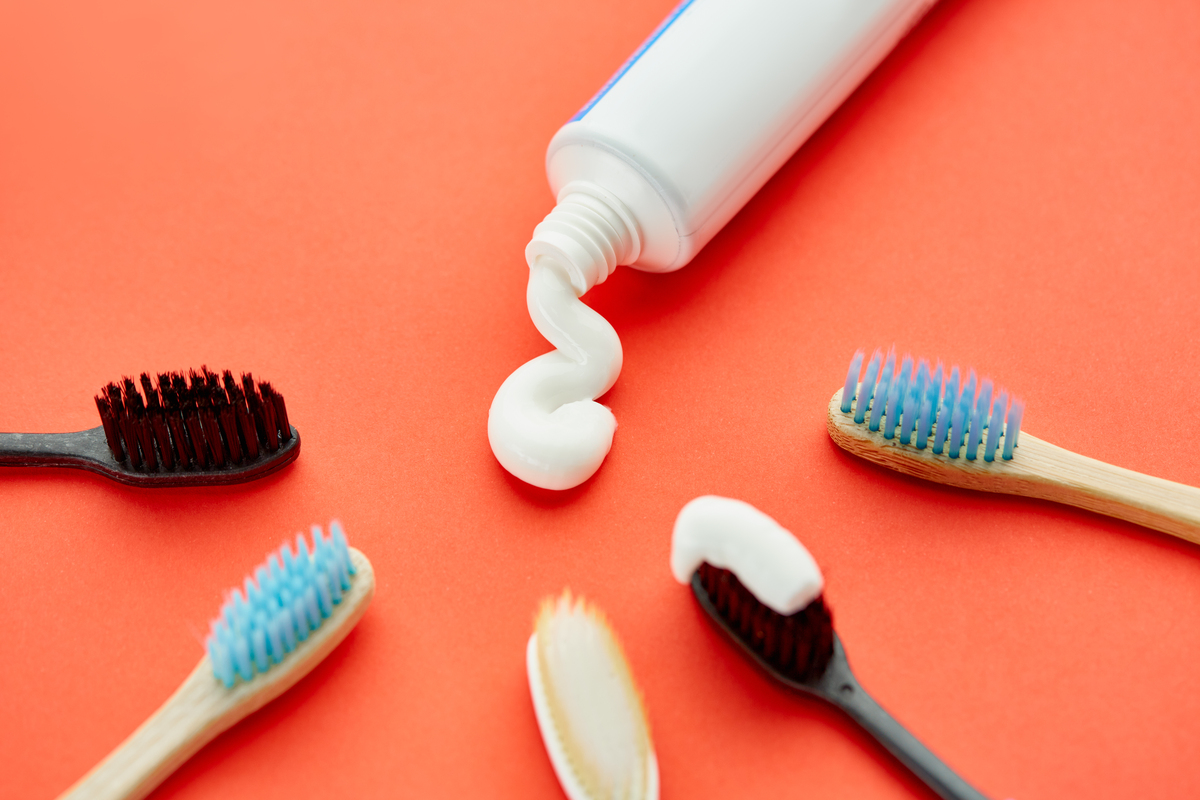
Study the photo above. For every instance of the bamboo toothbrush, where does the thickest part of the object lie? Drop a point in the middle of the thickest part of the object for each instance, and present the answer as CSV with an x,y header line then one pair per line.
x,y
950,429
293,612
588,708
198,430
764,591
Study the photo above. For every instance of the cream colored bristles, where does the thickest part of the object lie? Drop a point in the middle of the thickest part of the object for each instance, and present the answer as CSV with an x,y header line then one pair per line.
x,y
588,708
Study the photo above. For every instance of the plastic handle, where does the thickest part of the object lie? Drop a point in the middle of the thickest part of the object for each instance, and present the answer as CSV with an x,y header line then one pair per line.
x,y
840,687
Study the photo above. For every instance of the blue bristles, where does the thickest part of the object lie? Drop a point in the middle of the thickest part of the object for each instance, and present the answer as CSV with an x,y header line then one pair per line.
x,y
945,409
993,437
923,408
979,417
851,381
881,391
289,596
961,417
1012,429
912,401
897,391
867,390
957,418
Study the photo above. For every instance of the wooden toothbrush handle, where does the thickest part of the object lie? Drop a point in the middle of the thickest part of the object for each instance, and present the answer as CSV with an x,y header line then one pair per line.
x,y
1053,473
198,711
1037,469
203,707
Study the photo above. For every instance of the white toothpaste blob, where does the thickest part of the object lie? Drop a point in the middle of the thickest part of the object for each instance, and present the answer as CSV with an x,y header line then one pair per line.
x,y
767,558
544,424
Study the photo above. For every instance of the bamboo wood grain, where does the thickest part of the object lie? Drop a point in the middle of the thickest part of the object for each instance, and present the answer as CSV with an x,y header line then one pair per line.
x,y
202,707
1037,469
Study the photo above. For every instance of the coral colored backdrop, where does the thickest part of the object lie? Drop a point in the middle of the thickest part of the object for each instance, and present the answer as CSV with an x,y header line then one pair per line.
x,y
336,196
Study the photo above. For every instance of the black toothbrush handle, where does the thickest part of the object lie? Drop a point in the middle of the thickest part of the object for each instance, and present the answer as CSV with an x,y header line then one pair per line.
x,y
839,687
89,450
85,449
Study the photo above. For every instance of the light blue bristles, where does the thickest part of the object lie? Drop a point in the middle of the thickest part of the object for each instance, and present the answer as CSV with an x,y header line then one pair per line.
x,y
993,437
929,406
961,417
946,406
924,421
891,412
289,596
897,391
851,381
979,417
881,391
867,391
912,401
923,408
1012,430
957,418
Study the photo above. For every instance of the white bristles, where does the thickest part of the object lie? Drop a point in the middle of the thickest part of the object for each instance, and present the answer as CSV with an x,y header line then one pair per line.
x,y
914,402
589,710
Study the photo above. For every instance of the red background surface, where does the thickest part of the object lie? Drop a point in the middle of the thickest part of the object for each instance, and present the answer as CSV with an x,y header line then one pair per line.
x,y
336,196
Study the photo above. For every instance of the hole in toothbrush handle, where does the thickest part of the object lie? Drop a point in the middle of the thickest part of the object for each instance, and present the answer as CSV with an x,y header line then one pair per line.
x,y
839,686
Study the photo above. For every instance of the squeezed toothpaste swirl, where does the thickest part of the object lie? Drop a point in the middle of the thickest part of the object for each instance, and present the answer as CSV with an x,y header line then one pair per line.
x,y
545,425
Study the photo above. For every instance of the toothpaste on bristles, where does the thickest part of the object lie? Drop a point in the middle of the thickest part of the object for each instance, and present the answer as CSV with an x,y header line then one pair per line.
x,y
762,589
760,579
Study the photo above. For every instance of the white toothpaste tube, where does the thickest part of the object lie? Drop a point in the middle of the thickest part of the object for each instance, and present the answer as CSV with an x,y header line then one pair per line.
x,y
688,129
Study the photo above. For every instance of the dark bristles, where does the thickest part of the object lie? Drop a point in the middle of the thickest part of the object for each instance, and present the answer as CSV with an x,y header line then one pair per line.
x,y
237,400
276,402
798,645
141,428
199,421
267,419
132,426
111,434
228,422
158,422
170,399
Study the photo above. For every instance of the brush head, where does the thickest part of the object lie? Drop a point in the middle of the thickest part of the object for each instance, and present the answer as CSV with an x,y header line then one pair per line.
x,y
588,708
195,429
758,583
795,648
290,596
951,413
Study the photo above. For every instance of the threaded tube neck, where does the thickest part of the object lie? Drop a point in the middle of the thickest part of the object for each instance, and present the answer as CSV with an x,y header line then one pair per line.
x,y
587,234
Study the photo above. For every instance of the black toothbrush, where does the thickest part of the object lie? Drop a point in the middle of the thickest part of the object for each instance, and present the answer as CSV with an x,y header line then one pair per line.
x,y
802,652
198,430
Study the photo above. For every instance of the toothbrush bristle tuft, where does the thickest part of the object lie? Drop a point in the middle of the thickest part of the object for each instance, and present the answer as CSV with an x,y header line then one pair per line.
x,y
597,711
193,422
797,645
971,419
287,598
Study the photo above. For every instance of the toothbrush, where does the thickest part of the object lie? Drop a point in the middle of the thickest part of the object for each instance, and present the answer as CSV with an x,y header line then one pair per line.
x,y
957,430
764,591
293,612
199,430
587,706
